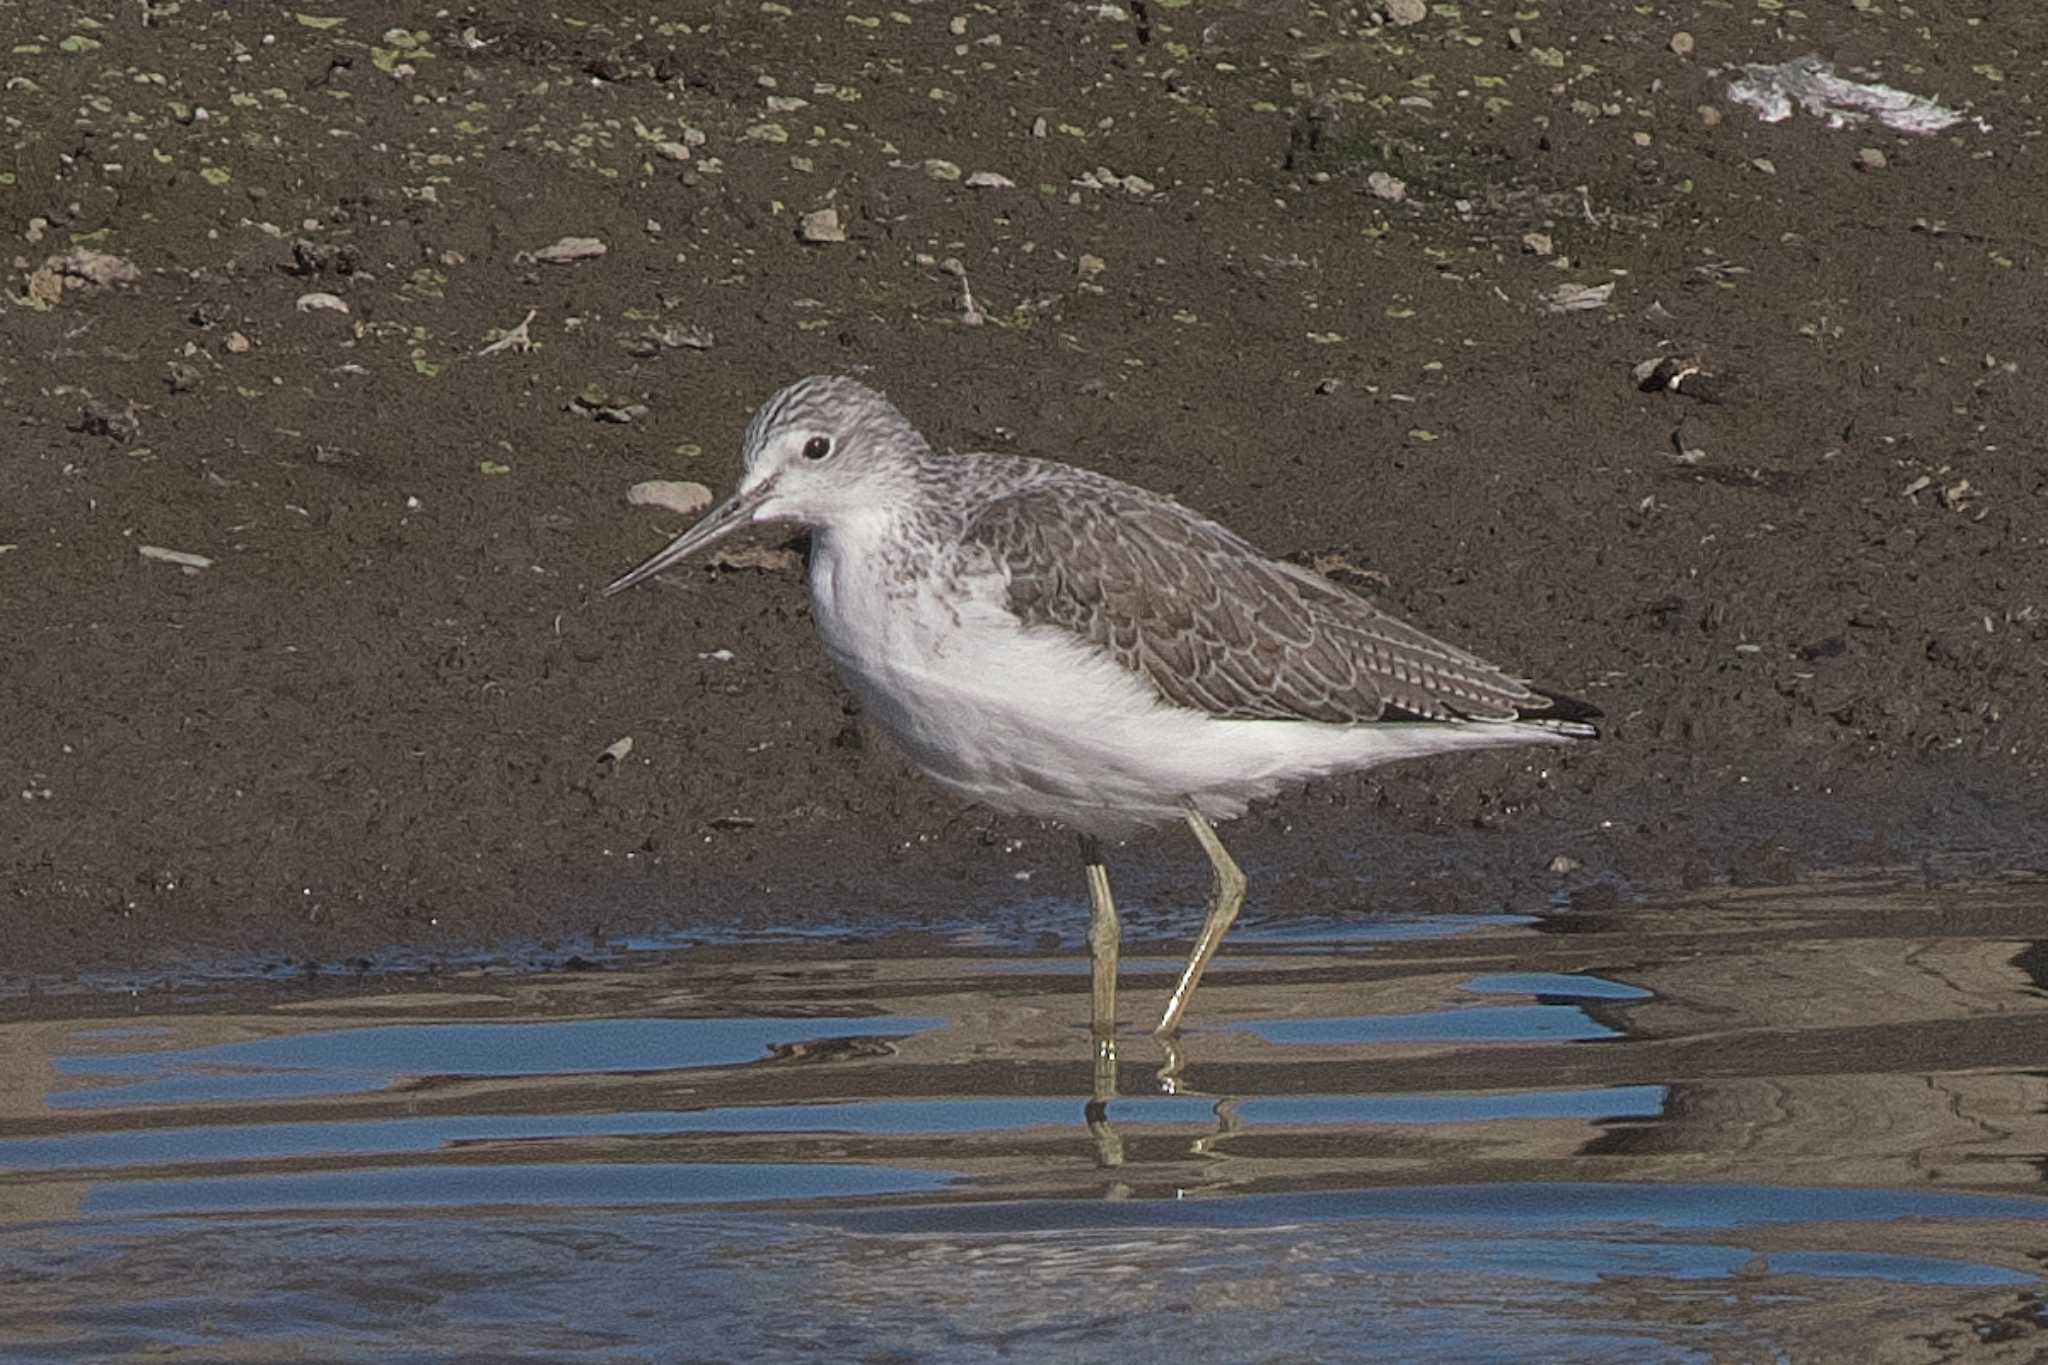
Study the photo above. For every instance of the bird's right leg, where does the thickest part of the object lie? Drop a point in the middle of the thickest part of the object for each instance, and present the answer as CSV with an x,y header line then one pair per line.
x,y
1105,939
1224,903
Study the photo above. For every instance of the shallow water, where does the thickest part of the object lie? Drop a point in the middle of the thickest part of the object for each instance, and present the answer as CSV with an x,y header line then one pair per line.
x,y
1788,1123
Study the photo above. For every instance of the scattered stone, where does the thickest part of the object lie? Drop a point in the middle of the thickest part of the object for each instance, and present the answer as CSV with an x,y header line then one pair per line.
x,y
938,169
334,303
101,269
1710,116
1387,187
236,344
1103,178
182,378
1690,377
990,180
1764,164
772,558
672,151
595,404
1402,13
674,337
1538,243
190,563
1870,159
83,268
1564,863
822,225
120,425
616,750
565,251
321,258
1682,43
681,496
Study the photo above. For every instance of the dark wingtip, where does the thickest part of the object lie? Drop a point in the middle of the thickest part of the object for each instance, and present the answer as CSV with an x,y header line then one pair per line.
x,y
1567,715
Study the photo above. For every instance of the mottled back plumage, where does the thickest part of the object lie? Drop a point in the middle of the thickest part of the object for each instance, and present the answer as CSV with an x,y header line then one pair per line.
x,y
1216,626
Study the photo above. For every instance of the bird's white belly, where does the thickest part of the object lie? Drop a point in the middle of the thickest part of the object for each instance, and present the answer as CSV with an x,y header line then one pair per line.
x,y
1032,720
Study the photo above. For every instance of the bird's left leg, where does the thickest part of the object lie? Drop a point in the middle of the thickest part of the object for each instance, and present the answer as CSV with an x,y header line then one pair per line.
x,y
1105,941
1226,901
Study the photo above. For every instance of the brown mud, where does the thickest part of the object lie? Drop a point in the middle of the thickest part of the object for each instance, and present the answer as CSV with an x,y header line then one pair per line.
x,y
1815,611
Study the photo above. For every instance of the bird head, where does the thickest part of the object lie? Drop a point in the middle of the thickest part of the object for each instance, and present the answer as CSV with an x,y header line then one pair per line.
x,y
824,450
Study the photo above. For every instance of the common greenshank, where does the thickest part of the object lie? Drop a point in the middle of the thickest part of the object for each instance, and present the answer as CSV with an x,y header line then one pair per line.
x,y
1051,642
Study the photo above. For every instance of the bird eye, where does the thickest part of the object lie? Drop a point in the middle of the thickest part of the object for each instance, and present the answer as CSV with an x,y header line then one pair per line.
x,y
817,448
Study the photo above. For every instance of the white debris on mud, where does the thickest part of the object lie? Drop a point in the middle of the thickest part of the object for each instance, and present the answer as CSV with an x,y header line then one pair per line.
x,y
1812,84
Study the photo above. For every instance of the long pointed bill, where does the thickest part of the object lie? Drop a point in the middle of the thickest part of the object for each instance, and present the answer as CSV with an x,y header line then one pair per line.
x,y
721,521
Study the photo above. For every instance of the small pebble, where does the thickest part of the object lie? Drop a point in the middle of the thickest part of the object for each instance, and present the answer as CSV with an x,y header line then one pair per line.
x,y
568,250
675,495
1871,159
1405,12
1681,43
1387,187
822,226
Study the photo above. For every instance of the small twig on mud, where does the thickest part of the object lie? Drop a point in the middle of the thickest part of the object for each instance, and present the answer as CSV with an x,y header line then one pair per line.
x,y
518,339
970,311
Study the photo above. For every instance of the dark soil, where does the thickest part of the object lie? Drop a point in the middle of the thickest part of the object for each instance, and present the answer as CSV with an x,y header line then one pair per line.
x,y
1815,612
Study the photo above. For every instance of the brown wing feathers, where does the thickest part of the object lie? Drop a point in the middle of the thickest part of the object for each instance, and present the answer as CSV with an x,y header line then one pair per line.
x,y
1216,627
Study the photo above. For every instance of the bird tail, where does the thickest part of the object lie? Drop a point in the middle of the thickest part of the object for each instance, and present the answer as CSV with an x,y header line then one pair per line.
x,y
1561,715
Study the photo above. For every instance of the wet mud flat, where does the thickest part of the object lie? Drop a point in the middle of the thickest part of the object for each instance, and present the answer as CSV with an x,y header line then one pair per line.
x,y
335,337
1804,1122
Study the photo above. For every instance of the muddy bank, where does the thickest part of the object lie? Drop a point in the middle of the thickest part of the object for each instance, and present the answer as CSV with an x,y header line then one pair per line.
x,y
1813,611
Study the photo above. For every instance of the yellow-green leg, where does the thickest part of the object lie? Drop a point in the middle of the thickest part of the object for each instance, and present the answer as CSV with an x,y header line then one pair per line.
x,y
1105,940
1226,900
